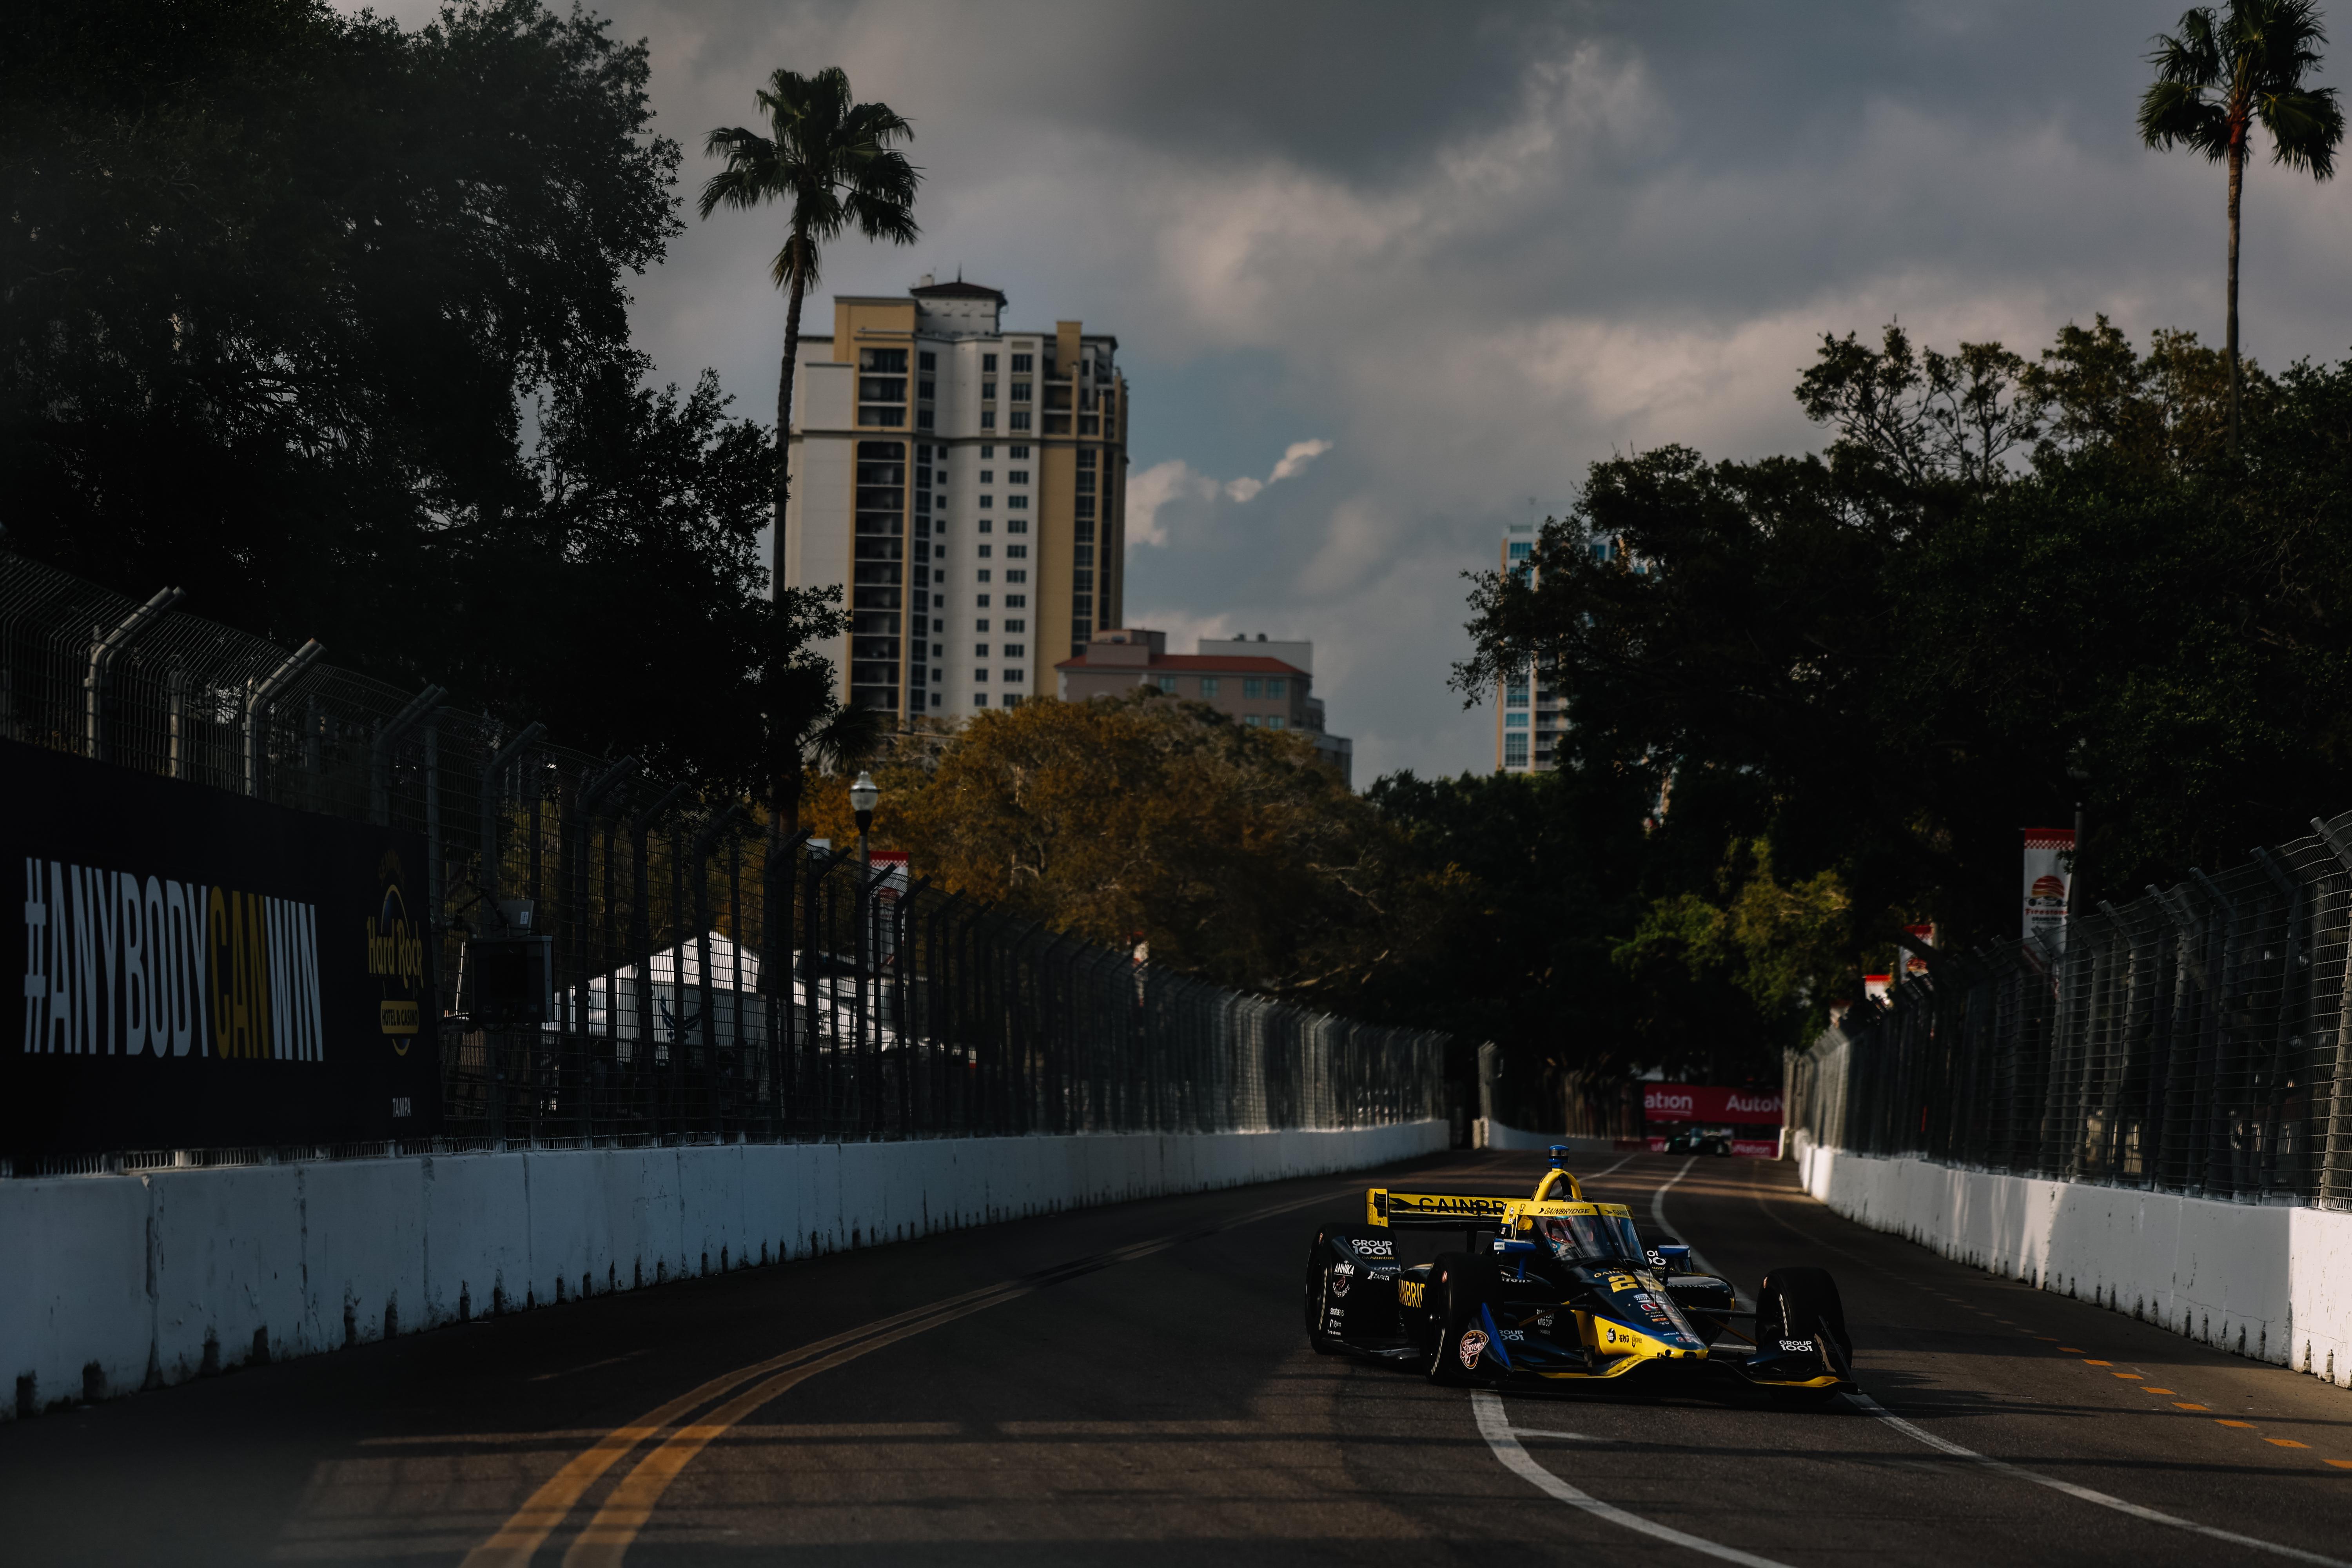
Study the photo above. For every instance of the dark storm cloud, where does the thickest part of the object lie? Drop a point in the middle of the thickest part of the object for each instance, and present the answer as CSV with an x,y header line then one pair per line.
x,y
1475,246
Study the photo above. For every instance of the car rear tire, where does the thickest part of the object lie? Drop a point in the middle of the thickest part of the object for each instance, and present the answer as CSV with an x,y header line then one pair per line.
x,y
1459,1284
1801,1303
1318,1283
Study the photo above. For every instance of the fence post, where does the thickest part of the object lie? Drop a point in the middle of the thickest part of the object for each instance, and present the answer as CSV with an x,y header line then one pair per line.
x,y
2336,1164
103,651
258,696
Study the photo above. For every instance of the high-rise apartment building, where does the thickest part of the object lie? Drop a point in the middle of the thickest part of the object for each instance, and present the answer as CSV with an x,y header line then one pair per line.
x,y
968,484
1526,705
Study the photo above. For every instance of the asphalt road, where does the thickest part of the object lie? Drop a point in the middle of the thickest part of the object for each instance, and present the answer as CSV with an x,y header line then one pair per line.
x,y
1132,1386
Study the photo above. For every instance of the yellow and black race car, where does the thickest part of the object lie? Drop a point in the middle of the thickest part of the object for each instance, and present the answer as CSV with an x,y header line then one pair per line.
x,y
1555,1288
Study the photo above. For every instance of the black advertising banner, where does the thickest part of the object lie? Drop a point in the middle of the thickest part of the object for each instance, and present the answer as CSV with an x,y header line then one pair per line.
x,y
202,970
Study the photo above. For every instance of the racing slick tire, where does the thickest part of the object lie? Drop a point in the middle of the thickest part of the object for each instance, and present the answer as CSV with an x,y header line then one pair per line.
x,y
1319,1258
1459,1284
1799,1304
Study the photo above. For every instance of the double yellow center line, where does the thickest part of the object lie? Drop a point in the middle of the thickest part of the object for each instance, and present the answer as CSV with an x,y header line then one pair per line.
x,y
631,1504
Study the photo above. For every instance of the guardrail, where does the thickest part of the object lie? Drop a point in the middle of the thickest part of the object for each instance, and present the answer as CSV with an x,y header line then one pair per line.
x,y
705,982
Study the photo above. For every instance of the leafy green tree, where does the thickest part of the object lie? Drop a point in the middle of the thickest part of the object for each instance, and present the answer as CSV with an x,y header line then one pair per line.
x,y
836,162
2218,75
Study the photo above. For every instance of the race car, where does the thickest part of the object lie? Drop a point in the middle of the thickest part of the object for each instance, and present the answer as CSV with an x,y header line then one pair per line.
x,y
1555,1288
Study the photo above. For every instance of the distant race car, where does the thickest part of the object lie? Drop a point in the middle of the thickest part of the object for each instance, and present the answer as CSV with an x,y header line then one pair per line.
x,y
1554,1288
1693,1141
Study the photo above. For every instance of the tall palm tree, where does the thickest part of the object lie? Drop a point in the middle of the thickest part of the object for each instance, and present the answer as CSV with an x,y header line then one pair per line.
x,y
836,162
2219,75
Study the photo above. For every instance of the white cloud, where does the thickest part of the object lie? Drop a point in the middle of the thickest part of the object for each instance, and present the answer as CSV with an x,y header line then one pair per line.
x,y
1175,479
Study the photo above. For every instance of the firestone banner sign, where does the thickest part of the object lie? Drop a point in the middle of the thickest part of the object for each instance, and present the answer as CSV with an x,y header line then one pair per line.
x,y
1701,1102
197,970
2047,851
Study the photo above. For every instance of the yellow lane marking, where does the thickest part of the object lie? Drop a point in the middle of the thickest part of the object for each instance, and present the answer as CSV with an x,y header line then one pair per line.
x,y
2072,1350
2286,1443
2224,1421
2341,1464
2098,1363
2155,1391
521,1536
2132,1376
2178,1406
528,1529
616,1525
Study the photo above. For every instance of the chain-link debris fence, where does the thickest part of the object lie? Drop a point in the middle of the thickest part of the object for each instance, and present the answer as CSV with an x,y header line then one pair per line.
x,y
703,983
2193,1040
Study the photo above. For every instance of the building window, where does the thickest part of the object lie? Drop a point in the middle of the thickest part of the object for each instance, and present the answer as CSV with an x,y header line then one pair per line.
x,y
1016,625
986,455
980,650
987,419
1017,601
983,604
1276,686
980,698
1019,503
938,698
1018,454
980,625
1013,698
1167,683
939,626
928,361
1515,721
1252,687
1250,720
938,650
987,391
1016,574
1015,650
1010,676
985,550
1016,525
1016,552
982,675
1016,476
882,361
1020,419
1021,363
988,364
1515,694
1522,549
987,503
923,419
987,525
1273,720
1208,686
1515,750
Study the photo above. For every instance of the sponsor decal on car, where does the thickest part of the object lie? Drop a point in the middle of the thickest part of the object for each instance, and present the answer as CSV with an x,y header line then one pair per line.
x,y
1410,1292
1472,1346
1796,1344
1430,1202
1514,1335
1369,1249
1339,1281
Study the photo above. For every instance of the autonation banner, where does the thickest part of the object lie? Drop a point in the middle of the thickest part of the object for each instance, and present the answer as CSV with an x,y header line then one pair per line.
x,y
1701,1102
202,970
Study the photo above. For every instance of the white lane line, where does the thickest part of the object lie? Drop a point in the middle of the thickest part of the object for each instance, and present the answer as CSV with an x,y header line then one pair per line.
x,y
1617,1166
1571,1436
1496,1427
1699,1259
1863,1403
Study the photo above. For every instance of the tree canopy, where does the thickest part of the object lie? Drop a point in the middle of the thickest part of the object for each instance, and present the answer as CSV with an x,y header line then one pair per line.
x,y
2004,588
327,322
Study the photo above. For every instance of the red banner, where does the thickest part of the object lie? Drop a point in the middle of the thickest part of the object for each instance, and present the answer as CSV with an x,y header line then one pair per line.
x,y
1700,1102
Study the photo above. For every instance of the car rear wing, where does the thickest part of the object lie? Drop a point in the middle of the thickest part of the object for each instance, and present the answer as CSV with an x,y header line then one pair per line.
x,y
1450,1211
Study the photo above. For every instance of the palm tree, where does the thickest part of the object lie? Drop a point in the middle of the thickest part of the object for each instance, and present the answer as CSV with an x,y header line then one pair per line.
x,y
2219,75
835,162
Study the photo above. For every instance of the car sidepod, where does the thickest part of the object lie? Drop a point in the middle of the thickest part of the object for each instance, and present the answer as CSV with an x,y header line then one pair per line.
x,y
1351,1290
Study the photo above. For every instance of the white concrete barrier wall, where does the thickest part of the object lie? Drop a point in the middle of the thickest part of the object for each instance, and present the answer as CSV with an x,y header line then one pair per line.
x,y
1486,1134
2272,1283
114,1283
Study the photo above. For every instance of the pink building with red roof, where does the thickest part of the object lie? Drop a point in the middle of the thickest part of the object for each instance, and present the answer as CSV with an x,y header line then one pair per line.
x,y
1263,684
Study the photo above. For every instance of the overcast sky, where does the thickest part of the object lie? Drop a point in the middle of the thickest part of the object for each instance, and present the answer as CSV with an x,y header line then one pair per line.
x,y
1409,268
